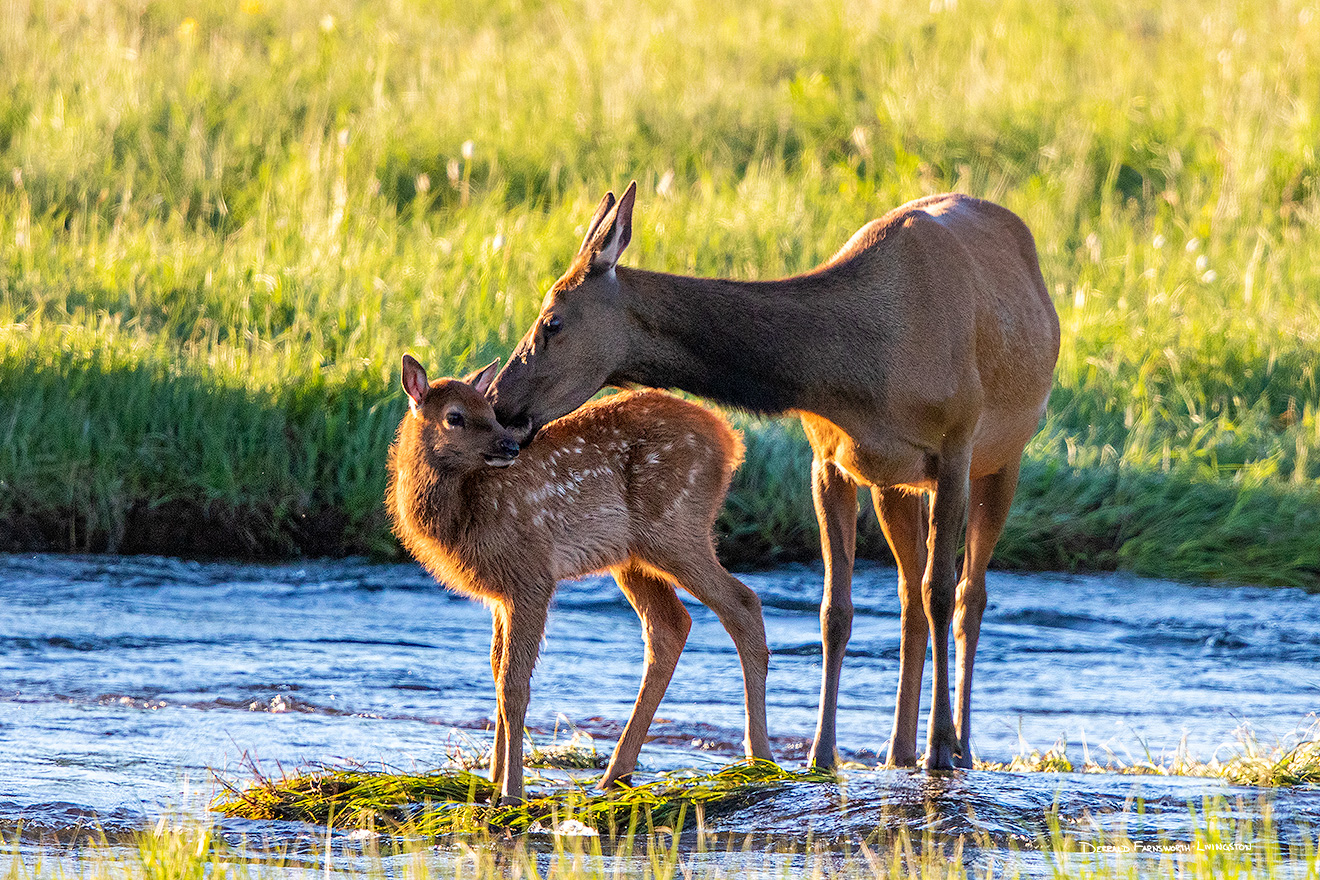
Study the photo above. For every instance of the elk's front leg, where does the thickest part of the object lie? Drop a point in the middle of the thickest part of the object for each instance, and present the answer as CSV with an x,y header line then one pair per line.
x,y
498,639
524,626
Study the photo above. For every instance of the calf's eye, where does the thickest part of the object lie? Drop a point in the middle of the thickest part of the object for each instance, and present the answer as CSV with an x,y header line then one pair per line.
x,y
553,324
454,420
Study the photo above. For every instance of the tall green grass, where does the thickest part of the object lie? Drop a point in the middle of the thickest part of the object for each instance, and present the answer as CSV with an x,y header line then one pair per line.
x,y
221,223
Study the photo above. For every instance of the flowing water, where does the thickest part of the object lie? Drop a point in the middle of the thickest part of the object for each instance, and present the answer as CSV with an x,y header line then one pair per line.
x,y
127,683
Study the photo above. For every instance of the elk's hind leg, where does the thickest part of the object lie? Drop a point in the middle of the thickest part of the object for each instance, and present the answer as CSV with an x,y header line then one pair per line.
x,y
939,591
739,610
835,497
904,516
988,504
665,626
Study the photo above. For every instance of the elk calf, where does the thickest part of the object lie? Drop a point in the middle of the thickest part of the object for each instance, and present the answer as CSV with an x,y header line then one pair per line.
x,y
631,484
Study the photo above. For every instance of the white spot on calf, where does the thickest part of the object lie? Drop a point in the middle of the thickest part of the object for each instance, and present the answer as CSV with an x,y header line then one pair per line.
x,y
676,505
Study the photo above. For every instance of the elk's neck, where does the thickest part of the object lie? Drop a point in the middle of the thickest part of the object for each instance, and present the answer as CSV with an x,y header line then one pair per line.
x,y
427,506
729,341
432,503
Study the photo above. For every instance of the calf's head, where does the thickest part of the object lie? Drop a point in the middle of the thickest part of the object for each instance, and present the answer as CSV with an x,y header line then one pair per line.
x,y
457,427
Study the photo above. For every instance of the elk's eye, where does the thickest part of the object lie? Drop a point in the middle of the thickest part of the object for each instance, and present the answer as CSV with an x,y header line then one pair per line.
x,y
454,420
553,324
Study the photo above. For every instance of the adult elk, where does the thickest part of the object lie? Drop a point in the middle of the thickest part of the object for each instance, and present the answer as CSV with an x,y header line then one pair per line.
x,y
631,484
919,359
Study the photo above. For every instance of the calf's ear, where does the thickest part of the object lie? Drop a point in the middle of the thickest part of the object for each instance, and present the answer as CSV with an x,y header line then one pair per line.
x,y
482,378
414,382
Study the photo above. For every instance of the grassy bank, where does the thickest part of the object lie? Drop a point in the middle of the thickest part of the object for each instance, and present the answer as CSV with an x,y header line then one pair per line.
x,y
222,223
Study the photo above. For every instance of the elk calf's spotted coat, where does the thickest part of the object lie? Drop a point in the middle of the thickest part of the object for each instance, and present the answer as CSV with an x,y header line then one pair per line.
x,y
630,484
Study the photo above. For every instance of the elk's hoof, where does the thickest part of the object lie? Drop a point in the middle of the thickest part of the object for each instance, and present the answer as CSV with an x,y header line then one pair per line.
x,y
901,758
939,758
823,760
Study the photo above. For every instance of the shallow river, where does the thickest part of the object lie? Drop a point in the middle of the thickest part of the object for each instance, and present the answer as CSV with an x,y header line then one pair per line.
x,y
126,683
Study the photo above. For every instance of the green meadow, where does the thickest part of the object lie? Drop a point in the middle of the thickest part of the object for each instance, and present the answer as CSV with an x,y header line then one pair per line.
x,y
222,223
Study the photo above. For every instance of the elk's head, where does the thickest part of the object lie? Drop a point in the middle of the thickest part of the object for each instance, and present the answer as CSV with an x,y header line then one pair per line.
x,y
458,429
579,339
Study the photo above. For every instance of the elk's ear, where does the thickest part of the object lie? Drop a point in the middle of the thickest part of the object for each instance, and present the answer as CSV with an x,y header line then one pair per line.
x,y
482,379
593,227
613,232
414,382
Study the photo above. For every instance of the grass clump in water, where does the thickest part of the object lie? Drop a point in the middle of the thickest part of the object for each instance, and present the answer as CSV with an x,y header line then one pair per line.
x,y
350,797
445,801
456,800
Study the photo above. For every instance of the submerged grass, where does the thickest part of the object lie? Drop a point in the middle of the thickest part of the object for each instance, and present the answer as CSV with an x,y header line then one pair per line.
x,y
221,224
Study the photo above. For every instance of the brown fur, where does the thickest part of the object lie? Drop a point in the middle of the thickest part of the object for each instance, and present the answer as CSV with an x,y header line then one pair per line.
x,y
631,484
919,359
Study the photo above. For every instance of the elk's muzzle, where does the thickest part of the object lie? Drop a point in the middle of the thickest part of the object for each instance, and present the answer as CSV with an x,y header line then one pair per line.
x,y
506,450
